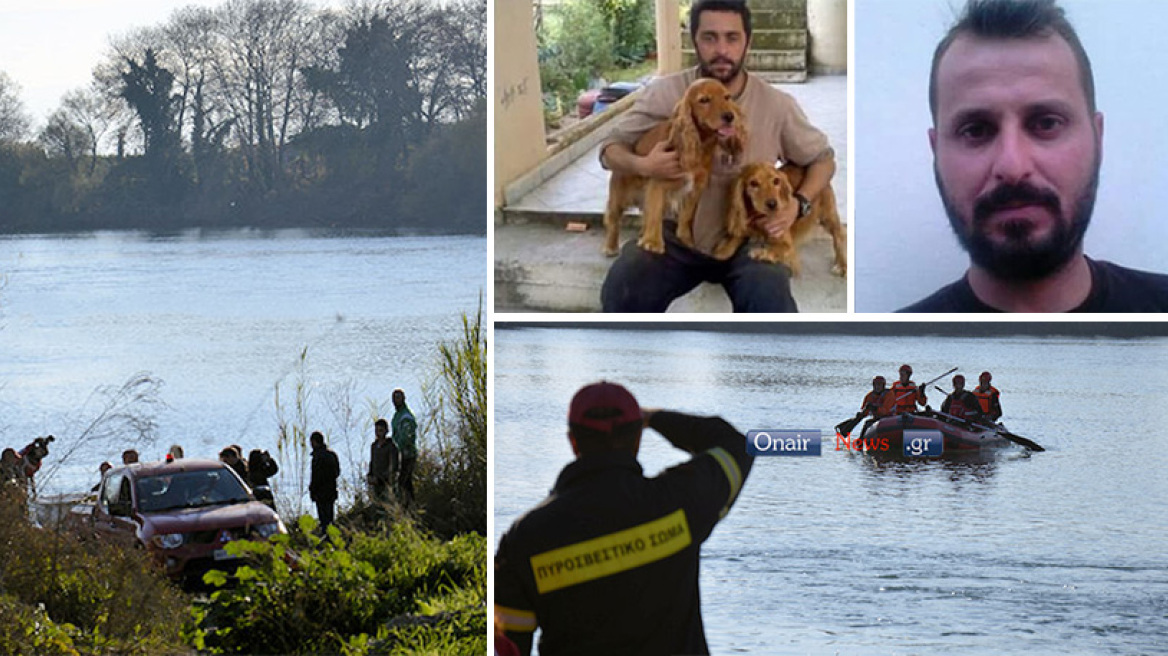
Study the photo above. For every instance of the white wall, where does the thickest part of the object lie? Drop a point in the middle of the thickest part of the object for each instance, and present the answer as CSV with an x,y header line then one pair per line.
x,y
905,249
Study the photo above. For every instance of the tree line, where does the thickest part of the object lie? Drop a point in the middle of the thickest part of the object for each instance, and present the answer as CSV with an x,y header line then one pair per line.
x,y
268,114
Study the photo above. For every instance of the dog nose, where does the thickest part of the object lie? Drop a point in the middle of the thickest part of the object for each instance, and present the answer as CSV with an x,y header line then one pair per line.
x,y
728,117
772,203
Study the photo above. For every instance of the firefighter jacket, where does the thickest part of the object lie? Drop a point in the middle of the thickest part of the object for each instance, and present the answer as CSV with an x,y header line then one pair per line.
x,y
608,563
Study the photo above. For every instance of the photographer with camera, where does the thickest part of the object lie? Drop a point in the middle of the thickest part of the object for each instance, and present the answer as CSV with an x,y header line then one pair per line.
x,y
261,466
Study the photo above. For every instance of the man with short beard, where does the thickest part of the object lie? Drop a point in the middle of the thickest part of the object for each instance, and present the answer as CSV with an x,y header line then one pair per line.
x,y
1017,145
778,129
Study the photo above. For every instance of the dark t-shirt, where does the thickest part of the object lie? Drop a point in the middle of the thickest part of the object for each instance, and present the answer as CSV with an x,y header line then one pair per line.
x,y
1113,289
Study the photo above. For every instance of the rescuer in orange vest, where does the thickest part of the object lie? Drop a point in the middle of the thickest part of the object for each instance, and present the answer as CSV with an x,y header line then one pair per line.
x,y
988,397
906,393
877,403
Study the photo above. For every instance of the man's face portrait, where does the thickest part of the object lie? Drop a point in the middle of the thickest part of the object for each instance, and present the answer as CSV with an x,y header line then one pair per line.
x,y
720,44
1016,151
1006,121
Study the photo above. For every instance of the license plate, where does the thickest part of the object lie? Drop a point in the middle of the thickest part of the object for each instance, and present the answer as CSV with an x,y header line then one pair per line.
x,y
221,554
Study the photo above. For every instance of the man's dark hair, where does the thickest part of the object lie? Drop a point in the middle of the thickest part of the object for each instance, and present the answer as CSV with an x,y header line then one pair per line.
x,y
316,438
381,423
623,437
1014,19
737,6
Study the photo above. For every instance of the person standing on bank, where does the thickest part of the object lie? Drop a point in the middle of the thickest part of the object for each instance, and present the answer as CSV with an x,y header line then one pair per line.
x,y
322,487
1017,149
639,281
383,463
631,544
405,436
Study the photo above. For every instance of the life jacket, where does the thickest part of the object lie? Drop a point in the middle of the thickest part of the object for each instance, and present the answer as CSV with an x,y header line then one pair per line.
x,y
878,404
986,399
907,396
960,405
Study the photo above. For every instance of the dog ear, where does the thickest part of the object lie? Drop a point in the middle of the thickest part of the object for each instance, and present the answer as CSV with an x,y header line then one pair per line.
x,y
786,191
736,145
683,134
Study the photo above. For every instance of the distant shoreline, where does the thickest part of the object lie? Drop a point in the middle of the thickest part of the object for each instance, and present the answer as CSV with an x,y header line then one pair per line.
x,y
862,327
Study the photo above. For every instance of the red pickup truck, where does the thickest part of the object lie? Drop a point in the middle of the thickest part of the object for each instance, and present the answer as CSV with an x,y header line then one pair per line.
x,y
182,512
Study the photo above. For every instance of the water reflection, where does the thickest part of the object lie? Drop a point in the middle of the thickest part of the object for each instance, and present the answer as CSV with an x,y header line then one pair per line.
x,y
979,466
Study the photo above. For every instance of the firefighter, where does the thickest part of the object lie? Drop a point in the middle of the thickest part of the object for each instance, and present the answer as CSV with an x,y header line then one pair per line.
x,y
608,563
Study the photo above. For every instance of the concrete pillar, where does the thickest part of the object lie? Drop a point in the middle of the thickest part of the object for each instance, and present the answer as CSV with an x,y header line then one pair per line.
x,y
827,25
668,37
520,139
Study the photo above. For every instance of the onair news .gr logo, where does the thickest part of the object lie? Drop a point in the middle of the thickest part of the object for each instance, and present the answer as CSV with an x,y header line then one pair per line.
x,y
920,442
784,442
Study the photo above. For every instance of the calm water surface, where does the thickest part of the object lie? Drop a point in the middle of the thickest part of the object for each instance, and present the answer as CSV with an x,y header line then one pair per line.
x,y
221,320
1059,552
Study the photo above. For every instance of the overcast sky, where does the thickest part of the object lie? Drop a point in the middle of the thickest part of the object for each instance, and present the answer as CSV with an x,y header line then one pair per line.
x,y
50,47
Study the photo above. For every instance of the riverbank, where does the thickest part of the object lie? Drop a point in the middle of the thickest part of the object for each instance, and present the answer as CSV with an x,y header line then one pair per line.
x,y
364,590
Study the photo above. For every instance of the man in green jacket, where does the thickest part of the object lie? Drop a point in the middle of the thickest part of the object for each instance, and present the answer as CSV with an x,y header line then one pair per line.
x,y
405,436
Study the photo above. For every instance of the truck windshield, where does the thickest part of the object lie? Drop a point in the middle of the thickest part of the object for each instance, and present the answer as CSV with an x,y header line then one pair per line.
x,y
193,489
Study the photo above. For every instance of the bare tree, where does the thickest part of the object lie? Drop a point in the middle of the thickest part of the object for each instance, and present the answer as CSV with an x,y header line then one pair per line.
x,y
265,43
116,416
76,129
14,121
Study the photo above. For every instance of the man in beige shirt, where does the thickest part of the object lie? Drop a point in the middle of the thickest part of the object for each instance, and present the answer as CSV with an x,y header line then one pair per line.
x,y
640,281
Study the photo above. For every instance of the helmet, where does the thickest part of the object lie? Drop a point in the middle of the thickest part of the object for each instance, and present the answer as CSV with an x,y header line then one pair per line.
x,y
905,367
985,375
879,378
959,377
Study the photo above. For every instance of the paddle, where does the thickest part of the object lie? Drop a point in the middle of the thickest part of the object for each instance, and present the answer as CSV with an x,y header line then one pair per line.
x,y
845,427
1016,439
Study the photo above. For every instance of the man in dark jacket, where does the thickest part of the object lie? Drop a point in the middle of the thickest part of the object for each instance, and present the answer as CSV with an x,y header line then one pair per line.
x,y
383,462
961,403
608,563
322,488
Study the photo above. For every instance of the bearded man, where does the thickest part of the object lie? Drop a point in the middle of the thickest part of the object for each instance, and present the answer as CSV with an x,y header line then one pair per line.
x,y
1017,144
639,281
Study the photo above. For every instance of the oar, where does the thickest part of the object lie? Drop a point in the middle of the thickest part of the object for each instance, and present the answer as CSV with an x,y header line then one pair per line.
x,y
1016,439
845,427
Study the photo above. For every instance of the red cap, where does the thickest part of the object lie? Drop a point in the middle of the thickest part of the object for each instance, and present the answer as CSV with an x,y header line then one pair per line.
x,y
603,406
905,367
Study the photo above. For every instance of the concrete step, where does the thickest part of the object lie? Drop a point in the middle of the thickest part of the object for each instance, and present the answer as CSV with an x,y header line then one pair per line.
x,y
779,19
541,267
758,6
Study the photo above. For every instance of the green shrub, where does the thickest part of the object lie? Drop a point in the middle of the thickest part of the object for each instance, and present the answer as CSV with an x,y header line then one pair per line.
x,y
634,29
451,476
28,629
373,594
574,47
90,597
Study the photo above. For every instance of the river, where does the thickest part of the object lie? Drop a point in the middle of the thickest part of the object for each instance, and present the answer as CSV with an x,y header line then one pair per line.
x,y
1055,552
219,319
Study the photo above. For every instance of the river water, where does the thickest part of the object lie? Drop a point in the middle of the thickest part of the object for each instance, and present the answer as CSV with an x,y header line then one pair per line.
x,y
221,319
1064,551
